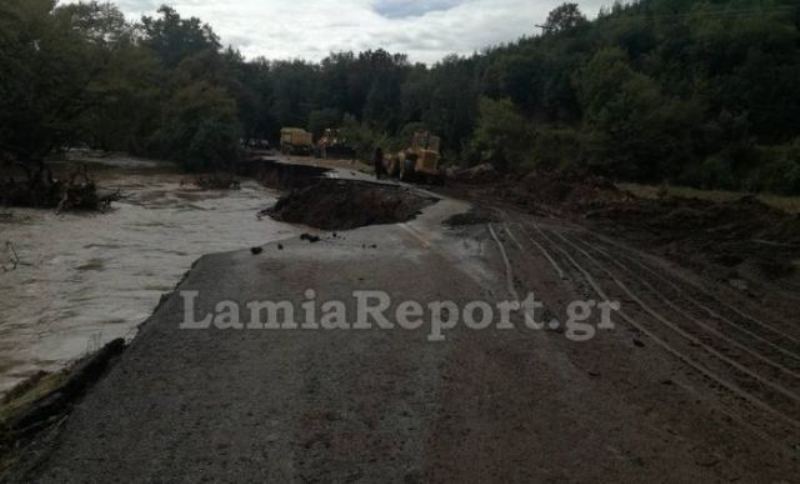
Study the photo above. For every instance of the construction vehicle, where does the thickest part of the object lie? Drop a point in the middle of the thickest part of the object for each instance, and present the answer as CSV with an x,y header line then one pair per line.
x,y
419,162
296,141
333,145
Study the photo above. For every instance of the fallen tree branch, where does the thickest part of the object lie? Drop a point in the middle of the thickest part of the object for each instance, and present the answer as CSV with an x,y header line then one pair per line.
x,y
13,257
217,181
60,401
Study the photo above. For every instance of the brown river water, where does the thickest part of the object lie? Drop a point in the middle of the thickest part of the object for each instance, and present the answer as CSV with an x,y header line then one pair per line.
x,y
85,279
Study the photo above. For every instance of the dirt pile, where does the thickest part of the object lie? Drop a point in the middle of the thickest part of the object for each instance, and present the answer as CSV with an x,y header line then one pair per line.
x,y
331,204
484,173
563,191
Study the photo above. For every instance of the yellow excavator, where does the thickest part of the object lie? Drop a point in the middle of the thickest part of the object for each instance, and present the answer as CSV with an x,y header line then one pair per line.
x,y
420,162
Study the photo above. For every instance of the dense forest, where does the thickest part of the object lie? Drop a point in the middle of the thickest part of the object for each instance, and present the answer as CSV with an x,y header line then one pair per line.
x,y
702,93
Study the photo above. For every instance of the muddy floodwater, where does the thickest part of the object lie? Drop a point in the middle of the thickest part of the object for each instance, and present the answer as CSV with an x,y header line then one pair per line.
x,y
83,280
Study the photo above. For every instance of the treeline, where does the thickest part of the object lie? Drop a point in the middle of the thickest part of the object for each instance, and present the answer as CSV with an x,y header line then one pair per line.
x,y
697,93
81,75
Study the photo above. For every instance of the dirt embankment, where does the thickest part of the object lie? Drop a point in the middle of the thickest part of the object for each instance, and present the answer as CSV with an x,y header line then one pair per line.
x,y
331,204
742,238
745,233
281,176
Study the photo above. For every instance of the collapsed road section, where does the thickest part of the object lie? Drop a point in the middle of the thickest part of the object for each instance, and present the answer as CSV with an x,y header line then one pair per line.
x,y
273,173
337,204
329,199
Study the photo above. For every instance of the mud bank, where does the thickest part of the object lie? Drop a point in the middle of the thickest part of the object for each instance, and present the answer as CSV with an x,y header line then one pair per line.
x,y
333,204
476,216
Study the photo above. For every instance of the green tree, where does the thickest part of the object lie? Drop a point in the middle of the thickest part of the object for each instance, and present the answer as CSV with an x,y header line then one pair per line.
x,y
322,119
200,128
46,86
174,38
124,92
566,17
635,131
502,136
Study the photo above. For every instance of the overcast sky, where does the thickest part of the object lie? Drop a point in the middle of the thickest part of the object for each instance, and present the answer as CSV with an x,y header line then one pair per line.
x,y
427,30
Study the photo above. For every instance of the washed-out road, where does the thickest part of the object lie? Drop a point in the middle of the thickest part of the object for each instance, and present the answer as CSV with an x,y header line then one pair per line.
x,y
690,384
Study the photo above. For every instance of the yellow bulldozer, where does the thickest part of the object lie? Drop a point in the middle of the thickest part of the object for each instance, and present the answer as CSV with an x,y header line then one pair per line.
x,y
296,141
420,162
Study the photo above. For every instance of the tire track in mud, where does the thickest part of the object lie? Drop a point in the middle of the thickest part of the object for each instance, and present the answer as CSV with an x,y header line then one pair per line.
x,y
783,399
765,334
542,250
746,323
665,302
509,271
725,371
687,291
760,405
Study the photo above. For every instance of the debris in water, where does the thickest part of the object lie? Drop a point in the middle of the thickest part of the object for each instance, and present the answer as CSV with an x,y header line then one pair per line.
x,y
310,238
257,250
13,258
217,181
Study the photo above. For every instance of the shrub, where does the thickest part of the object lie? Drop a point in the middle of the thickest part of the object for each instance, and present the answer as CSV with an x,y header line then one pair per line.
x,y
779,169
200,128
503,136
362,138
559,148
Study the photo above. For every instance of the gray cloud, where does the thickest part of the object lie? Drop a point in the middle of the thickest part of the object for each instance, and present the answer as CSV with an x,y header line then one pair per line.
x,y
412,8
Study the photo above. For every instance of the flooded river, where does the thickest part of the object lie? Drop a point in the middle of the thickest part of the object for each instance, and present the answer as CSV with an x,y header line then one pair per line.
x,y
83,280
